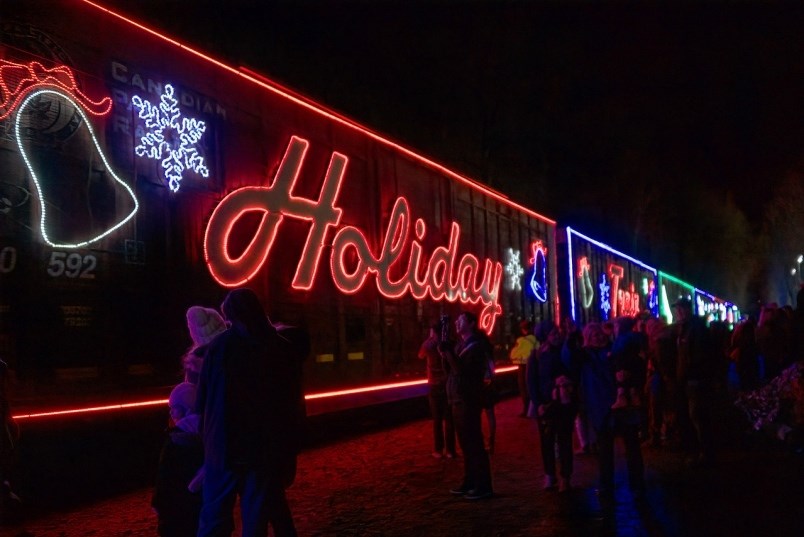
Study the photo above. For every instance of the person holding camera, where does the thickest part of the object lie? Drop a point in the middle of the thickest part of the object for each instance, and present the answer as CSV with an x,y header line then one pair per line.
x,y
443,427
467,365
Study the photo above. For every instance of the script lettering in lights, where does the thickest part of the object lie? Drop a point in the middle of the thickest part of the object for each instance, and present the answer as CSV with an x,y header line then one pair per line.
x,y
445,277
626,301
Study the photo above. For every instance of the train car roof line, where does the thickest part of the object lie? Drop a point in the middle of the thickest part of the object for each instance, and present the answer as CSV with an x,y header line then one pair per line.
x,y
270,85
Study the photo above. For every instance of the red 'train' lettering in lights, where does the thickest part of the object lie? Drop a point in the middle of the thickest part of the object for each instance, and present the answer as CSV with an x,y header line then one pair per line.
x,y
442,277
623,302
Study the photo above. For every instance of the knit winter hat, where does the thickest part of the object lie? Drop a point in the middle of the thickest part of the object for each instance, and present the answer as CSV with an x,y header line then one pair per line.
x,y
183,397
204,324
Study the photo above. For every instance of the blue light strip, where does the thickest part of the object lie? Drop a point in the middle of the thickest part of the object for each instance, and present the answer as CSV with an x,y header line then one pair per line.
x,y
571,273
609,248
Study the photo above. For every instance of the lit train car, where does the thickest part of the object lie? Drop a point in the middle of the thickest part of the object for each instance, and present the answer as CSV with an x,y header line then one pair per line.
x,y
603,283
715,309
704,304
140,176
672,289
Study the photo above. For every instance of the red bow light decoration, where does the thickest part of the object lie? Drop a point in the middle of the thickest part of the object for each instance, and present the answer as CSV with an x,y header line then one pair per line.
x,y
17,80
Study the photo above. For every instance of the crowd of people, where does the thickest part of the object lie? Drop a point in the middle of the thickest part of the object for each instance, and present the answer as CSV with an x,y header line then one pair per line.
x,y
651,384
236,418
767,358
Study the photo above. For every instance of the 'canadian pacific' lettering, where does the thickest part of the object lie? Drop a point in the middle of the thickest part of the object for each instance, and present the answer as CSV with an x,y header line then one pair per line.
x,y
443,277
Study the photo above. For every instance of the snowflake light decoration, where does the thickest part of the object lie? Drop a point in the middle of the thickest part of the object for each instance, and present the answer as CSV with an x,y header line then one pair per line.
x,y
170,138
514,270
605,298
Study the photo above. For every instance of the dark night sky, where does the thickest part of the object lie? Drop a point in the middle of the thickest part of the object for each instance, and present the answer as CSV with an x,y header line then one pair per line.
x,y
606,116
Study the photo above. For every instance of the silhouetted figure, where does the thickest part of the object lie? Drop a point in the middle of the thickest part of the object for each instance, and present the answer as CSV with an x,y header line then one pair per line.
x,y
695,369
9,436
519,355
468,363
443,426
251,403
553,394
177,507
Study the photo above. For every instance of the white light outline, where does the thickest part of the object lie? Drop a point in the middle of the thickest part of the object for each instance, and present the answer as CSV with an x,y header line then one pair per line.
x,y
43,215
167,115
514,270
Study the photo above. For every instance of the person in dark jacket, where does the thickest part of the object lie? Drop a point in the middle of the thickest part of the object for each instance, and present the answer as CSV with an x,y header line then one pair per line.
x,y
612,421
250,400
695,370
177,507
551,391
9,436
468,365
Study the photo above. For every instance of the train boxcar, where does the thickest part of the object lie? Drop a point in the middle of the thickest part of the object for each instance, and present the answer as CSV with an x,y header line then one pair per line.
x,y
139,176
672,289
715,309
603,283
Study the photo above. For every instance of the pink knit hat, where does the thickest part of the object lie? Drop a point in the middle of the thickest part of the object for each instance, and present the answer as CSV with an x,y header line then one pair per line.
x,y
204,324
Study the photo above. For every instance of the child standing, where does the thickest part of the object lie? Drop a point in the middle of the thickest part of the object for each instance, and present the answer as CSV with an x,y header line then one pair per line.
x,y
176,506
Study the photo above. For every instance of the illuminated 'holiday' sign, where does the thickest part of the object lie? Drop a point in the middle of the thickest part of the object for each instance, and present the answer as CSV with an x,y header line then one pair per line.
x,y
442,277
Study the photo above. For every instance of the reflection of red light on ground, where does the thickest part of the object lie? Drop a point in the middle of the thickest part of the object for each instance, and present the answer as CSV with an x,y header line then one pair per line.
x,y
155,402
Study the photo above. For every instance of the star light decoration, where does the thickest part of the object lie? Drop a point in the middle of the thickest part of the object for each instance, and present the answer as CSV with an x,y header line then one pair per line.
x,y
514,270
171,139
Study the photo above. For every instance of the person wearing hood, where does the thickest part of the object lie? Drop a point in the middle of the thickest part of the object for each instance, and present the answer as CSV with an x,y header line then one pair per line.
x,y
252,409
177,507
203,324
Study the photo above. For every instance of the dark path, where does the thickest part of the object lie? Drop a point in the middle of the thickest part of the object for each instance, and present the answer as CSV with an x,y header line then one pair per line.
x,y
385,483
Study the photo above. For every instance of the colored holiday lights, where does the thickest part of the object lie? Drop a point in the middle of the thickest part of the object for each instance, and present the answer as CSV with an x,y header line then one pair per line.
x,y
170,138
20,84
18,80
36,179
587,291
514,270
617,297
538,281
605,297
626,301
443,277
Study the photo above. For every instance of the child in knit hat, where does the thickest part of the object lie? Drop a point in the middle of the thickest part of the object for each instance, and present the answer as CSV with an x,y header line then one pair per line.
x,y
176,505
204,324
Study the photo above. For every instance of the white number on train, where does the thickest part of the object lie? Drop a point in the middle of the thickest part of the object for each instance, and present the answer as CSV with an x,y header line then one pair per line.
x,y
72,265
8,259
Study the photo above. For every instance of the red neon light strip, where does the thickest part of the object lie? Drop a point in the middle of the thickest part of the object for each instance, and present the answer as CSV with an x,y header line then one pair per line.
x,y
155,402
90,409
319,109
